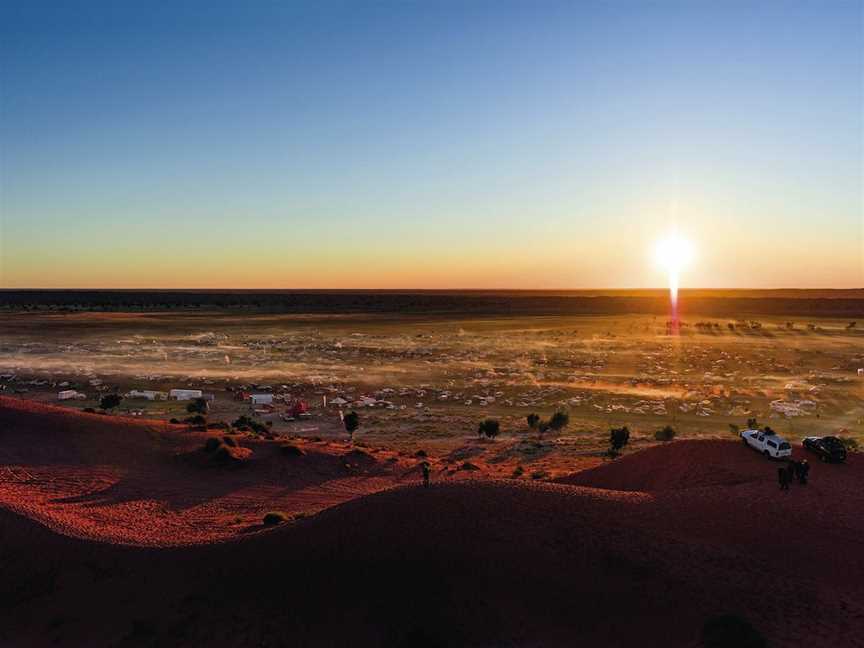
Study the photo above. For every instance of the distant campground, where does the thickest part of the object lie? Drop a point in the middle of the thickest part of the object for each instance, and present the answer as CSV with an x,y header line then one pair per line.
x,y
732,304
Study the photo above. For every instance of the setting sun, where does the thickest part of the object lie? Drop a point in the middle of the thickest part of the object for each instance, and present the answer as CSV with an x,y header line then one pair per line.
x,y
674,253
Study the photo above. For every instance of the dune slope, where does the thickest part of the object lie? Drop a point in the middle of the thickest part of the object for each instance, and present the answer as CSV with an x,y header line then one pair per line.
x,y
476,562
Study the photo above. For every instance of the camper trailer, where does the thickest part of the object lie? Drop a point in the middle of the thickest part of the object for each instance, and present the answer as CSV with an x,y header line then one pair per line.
x,y
185,394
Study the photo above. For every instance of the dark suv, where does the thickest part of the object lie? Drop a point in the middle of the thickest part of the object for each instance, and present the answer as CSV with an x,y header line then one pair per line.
x,y
830,449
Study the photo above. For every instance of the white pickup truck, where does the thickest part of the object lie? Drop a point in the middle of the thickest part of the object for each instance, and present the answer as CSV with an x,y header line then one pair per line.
x,y
771,445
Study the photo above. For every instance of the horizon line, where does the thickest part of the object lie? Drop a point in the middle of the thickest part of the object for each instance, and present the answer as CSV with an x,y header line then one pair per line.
x,y
379,289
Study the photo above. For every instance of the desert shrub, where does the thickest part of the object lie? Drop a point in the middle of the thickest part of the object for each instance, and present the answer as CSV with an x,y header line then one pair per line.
x,y
218,425
489,427
666,433
274,517
731,631
849,443
89,410
539,474
734,429
198,406
420,454
291,450
351,421
533,420
518,471
229,441
559,421
109,401
174,421
543,427
246,423
752,423
195,420
211,444
469,466
618,438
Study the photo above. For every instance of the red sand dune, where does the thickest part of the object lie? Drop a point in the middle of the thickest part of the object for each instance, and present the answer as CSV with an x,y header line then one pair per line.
x,y
145,482
625,558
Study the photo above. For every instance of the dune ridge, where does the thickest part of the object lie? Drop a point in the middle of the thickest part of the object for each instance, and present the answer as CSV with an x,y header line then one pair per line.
x,y
614,556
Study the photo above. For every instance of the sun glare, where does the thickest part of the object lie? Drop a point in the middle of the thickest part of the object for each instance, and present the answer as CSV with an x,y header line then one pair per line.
x,y
674,253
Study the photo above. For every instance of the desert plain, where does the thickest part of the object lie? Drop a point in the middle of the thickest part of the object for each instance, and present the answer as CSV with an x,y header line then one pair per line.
x,y
122,528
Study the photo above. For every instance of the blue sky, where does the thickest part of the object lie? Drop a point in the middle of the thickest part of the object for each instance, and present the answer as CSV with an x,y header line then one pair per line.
x,y
441,144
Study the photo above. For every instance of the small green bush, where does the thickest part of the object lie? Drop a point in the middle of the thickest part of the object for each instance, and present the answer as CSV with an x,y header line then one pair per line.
x,y
559,421
274,518
246,422
351,421
618,438
110,401
666,433
489,427
198,406
518,471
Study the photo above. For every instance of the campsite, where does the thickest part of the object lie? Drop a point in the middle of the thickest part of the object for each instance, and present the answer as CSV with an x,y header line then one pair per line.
x,y
425,382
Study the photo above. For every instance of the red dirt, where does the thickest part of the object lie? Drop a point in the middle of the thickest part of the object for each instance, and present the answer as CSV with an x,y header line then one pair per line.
x,y
144,482
640,552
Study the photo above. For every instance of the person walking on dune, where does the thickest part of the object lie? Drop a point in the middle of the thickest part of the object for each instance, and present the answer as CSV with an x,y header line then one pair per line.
x,y
426,471
783,478
803,471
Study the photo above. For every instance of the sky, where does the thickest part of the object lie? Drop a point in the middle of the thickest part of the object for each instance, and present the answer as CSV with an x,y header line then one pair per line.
x,y
430,145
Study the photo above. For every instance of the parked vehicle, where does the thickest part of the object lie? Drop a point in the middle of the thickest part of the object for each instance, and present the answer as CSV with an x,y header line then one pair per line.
x,y
767,442
830,449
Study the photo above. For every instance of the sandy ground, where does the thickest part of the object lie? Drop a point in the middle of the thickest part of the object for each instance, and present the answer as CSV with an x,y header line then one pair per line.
x,y
121,532
426,382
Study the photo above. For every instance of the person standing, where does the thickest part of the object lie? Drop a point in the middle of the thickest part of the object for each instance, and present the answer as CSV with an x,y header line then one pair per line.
x,y
803,471
783,478
426,471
